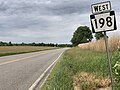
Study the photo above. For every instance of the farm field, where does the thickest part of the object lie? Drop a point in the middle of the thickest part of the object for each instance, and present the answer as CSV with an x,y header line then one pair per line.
x,y
10,50
80,69
99,45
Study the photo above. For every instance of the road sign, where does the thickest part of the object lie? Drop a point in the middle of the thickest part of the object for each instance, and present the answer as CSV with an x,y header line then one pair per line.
x,y
103,22
101,7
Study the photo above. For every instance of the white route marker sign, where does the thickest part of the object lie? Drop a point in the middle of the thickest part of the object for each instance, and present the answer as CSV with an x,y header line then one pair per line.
x,y
101,7
102,19
103,22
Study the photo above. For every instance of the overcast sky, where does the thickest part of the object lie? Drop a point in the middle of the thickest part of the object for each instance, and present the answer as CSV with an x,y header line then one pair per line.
x,y
46,20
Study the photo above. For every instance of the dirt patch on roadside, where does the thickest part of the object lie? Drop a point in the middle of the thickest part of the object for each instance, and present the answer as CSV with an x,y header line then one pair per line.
x,y
88,81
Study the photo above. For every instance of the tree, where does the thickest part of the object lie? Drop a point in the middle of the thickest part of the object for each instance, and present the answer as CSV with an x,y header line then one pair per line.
x,y
10,44
82,35
99,35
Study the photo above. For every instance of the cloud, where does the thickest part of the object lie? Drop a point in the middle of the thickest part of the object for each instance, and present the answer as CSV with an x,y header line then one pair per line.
x,y
45,20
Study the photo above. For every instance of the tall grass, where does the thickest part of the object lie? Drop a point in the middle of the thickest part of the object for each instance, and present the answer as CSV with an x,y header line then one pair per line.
x,y
73,62
113,44
79,62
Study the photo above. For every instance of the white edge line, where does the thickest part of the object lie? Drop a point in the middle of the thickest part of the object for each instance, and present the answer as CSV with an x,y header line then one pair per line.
x,y
50,70
43,74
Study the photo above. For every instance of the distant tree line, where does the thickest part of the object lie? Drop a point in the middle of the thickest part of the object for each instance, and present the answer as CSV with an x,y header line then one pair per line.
x,y
34,44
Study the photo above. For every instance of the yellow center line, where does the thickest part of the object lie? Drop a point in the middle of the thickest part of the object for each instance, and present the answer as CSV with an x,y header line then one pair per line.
x,y
3,63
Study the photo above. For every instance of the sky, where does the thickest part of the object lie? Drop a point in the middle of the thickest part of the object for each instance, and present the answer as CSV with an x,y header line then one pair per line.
x,y
49,21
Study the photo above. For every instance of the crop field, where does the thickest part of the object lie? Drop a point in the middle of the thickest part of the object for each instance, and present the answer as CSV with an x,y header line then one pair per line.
x,y
113,42
10,50
80,69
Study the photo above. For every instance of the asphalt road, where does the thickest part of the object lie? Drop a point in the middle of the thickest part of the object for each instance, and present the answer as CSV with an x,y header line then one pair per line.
x,y
19,72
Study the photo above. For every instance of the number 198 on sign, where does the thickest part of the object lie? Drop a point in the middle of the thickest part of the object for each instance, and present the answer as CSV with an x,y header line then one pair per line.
x,y
103,22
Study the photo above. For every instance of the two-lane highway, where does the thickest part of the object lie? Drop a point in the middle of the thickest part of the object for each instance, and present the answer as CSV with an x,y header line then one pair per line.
x,y
19,72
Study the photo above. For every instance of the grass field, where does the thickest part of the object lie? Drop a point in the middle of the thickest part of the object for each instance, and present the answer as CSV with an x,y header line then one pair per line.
x,y
113,44
10,50
80,69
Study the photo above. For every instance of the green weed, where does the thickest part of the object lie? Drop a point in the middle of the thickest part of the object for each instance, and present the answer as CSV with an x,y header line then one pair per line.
x,y
74,61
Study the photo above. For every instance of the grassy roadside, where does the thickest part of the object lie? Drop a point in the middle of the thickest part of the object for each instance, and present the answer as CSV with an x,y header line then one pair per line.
x,y
12,50
73,63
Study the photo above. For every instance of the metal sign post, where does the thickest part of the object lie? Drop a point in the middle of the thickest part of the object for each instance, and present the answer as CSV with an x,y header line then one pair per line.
x,y
108,57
